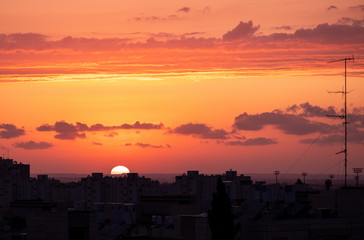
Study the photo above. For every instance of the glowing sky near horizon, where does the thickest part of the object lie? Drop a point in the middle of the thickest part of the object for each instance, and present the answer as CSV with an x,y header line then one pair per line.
x,y
166,86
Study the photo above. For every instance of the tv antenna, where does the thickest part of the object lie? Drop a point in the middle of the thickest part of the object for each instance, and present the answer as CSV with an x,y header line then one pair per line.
x,y
357,171
344,117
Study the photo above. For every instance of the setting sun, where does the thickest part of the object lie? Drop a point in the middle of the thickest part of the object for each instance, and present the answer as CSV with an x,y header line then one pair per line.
x,y
119,170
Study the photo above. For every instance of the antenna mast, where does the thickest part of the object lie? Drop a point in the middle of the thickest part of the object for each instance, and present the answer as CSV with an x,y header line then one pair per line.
x,y
345,122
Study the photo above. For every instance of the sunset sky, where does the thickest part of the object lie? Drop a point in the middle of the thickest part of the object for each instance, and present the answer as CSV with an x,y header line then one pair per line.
x,y
169,86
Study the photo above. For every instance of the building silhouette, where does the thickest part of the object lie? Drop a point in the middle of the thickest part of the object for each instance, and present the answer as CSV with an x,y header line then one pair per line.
x,y
131,206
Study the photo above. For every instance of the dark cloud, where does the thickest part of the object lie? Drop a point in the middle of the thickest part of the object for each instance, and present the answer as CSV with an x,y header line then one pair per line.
x,y
147,145
156,18
31,145
333,139
201,130
24,41
308,110
66,130
285,27
10,131
334,33
242,30
184,9
239,137
325,140
111,134
351,21
332,7
193,34
260,141
288,123
359,7
97,143
345,31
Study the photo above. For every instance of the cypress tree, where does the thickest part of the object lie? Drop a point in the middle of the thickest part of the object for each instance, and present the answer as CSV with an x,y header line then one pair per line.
x,y
221,220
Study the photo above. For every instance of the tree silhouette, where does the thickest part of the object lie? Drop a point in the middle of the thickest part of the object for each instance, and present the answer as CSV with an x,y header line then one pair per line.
x,y
221,220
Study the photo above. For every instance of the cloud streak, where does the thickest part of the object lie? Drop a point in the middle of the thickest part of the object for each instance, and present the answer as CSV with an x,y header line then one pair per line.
x,y
69,131
260,141
332,7
146,145
184,9
347,30
32,145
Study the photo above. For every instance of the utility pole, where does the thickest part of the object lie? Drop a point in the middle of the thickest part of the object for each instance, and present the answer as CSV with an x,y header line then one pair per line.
x,y
345,121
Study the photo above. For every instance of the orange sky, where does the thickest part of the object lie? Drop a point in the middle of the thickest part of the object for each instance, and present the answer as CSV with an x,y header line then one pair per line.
x,y
164,86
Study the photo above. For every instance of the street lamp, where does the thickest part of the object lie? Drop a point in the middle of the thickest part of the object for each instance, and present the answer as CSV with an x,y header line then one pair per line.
x,y
276,173
304,174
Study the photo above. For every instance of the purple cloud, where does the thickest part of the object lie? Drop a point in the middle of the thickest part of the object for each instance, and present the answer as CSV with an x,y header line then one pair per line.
x,y
360,7
66,131
308,110
31,145
156,18
260,141
242,30
184,9
354,137
10,131
351,21
146,145
285,27
111,134
288,123
201,130
345,31
71,131
334,33
97,143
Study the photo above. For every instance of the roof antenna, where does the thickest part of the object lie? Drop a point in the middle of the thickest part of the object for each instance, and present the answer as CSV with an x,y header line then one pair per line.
x,y
344,117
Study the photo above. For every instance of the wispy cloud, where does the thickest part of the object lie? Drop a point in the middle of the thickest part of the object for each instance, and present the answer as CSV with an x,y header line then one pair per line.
x,y
260,141
156,18
32,145
302,51
358,7
146,145
351,21
184,9
285,27
71,131
335,139
332,7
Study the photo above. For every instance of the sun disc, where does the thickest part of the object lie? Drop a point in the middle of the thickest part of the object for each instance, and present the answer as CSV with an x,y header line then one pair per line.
x,y
119,170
